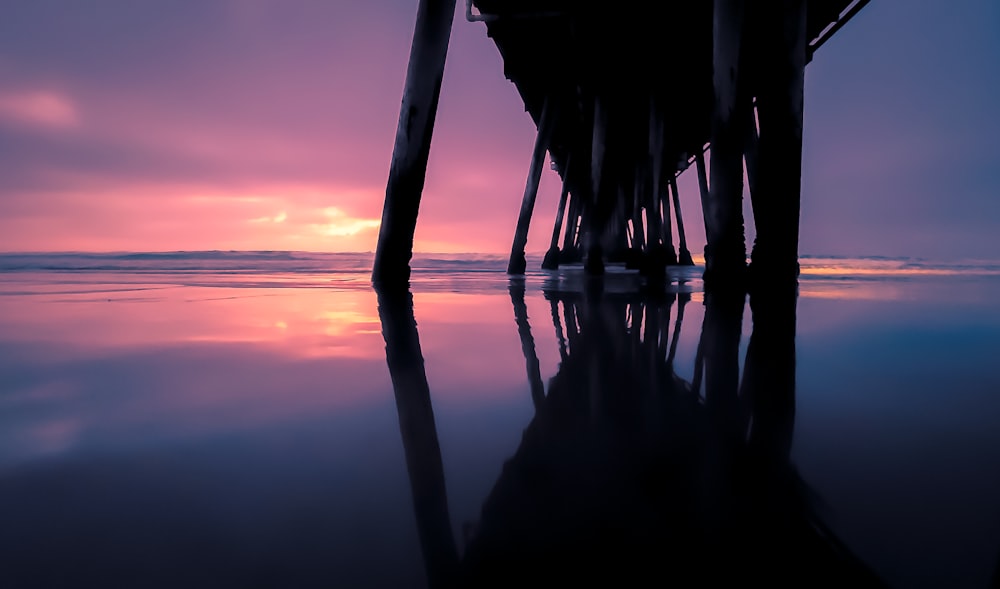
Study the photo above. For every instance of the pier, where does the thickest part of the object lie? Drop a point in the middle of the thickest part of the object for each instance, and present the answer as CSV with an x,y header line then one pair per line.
x,y
625,98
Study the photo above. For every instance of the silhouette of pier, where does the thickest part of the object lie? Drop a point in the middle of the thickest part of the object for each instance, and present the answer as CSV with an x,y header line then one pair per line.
x,y
626,97
628,474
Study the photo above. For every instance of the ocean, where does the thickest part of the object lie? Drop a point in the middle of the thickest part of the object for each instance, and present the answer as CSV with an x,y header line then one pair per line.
x,y
266,419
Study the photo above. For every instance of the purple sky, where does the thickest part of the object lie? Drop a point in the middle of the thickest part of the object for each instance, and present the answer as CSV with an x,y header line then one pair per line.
x,y
267,124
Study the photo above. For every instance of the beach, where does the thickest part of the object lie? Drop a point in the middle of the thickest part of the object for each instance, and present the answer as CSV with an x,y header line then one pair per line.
x,y
228,418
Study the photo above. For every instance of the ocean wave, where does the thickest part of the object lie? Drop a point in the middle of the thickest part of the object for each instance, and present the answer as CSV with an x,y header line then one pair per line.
x,y
296,262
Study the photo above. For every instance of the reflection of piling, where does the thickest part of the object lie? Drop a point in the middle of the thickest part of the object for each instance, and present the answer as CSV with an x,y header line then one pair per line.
x,y
626,469
557,324
420,442
527,342
682,302
719,348
413,141
768,386
594,220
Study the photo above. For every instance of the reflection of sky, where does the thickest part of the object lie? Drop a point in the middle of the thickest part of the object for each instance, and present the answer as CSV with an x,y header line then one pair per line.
x,y
258,424
896,427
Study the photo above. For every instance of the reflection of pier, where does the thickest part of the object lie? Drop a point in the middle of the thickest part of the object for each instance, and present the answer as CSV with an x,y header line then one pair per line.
x,y
626,97
626,471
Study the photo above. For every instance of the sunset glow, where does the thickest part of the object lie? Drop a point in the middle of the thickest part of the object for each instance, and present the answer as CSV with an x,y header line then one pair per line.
x,y
258,125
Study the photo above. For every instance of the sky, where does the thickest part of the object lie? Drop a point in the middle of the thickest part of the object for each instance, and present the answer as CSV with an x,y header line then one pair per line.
x,y
269,125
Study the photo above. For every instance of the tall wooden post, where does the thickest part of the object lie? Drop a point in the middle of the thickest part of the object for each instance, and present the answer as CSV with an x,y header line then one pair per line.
x,y
703,186
413,141
551,261
750,157
573,225
594,264
642,241
666,226
517,263
654,225
780,98
683,255
725,254
661,207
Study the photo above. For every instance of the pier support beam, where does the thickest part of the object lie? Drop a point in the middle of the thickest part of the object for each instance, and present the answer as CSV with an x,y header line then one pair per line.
x,y
551,261
594,217
750,157
413,141
517,263
702,170
570,248
779,158
666,256
725,254
683,255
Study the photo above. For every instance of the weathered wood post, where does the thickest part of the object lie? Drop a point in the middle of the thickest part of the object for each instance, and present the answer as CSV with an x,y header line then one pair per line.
x,y
725,254
750,157
594,263
666,256
517,263
639,249
780,97
551,260
703,185
683,255
570,248
419,434
413,141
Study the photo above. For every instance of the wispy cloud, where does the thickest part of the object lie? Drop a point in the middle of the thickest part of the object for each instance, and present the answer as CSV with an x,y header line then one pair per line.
x,y
279,218
341,225
38,108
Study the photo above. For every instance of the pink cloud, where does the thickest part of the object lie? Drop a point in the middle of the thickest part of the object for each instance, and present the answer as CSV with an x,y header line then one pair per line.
x,y
38,108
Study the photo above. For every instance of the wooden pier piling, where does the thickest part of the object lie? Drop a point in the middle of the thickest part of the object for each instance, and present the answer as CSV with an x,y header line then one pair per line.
x,y
413,142
683,255
517,263
593,215
551,261
725,254
780,98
